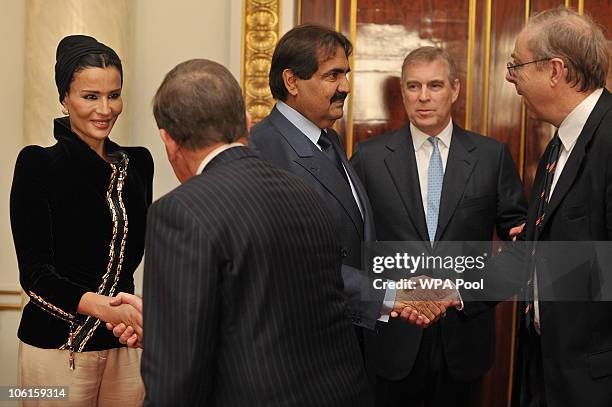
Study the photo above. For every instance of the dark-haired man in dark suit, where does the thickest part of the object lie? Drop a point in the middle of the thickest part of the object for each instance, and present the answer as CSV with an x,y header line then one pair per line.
x,y
308,79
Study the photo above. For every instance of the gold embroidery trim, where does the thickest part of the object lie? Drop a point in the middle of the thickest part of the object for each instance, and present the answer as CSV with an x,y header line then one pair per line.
x,y
48,306
121,178
119,175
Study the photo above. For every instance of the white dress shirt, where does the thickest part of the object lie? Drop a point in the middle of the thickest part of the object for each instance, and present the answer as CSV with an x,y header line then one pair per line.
x,y
215,153
568,132
423,150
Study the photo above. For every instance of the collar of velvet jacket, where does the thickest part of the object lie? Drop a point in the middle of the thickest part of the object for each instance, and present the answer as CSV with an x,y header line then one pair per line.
x,y
87,160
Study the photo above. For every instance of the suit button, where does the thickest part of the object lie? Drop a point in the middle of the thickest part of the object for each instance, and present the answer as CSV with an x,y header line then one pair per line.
x,y
344,252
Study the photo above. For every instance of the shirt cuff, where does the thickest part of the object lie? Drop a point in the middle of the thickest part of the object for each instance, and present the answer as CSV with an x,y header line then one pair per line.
x,y
388,303
460,306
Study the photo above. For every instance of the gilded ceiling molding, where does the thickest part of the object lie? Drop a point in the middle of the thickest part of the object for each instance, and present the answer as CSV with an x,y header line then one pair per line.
x,y
261,21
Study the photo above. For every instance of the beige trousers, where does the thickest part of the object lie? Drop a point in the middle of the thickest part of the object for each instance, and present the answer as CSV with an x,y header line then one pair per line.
x,y
108,378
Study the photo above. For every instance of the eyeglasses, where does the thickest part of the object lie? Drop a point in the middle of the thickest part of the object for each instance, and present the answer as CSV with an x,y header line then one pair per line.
x,y
511,67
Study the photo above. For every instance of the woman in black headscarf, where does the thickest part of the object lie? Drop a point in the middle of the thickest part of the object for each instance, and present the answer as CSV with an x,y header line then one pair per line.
x,y
71,205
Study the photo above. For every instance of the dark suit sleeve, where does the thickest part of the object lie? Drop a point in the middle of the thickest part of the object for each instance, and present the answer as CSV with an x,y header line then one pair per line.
x,y
364,303
181,307
359,282
608,183
504,275
31,224
356,162
511,203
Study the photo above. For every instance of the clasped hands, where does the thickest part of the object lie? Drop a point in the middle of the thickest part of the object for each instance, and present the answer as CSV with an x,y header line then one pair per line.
x,y
128,325
419,306
423,306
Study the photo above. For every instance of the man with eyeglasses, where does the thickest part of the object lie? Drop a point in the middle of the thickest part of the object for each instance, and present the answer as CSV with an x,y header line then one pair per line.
x,y
560,64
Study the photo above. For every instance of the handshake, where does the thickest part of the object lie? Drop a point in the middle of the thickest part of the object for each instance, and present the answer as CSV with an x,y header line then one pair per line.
x,y
423,306
419,306
127,323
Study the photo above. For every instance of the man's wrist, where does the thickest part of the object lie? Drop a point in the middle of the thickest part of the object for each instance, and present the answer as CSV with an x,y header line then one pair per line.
x,y
458,295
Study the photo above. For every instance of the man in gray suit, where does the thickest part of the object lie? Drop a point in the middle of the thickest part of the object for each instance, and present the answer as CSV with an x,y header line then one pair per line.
x,y
243,301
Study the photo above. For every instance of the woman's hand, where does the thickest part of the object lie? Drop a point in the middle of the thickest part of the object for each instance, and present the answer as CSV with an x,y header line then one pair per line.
x,y
127,334
123,310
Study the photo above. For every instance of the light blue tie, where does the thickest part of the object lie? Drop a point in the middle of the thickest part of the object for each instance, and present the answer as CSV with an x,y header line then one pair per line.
x,y
435,177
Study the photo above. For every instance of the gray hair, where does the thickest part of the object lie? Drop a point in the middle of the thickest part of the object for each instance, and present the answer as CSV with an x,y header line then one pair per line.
x,y
574,38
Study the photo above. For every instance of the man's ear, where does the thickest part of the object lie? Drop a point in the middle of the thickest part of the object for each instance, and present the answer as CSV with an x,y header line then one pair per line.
x,y
456,87
557,74
290,79
172,146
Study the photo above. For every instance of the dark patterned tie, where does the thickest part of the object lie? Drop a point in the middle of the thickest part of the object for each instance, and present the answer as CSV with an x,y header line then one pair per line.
x,y
544,194
330,152
544,197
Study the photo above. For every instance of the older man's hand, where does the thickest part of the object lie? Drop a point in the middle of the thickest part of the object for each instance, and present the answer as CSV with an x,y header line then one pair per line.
x,y
423,306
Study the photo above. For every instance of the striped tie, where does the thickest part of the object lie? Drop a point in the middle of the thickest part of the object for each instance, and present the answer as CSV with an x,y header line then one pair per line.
x,y
544,196
435,177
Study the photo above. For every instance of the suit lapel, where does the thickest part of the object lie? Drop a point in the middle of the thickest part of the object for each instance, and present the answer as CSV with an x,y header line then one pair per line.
x,y
459,167
402,167
368,223
574,162
321,168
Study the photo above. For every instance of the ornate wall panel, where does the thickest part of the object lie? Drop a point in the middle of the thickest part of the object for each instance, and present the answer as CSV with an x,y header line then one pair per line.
x,y
260,35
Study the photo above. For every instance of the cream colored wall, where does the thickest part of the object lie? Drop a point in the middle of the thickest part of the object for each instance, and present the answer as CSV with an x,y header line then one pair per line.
x,y
168,32
162,33
12,32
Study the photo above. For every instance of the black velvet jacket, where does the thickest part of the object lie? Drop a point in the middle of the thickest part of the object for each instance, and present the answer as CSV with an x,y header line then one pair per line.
x,y
70,215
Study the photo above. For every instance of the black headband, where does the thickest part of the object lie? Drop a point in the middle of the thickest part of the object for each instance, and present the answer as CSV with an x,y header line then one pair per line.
x,y
69,51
